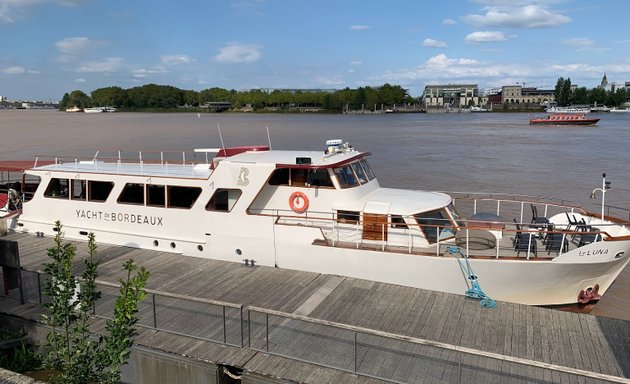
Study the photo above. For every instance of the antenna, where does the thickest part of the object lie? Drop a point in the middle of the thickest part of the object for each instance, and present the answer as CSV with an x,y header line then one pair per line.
x,y
221,137
268,138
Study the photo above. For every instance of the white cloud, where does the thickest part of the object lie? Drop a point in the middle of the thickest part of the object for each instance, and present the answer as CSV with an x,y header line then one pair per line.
x,y
485,37
75,45
177,59
17,70
239,53
449,22
359,27
142,73
356,62
580,43
80,80
431,43
10,10
518,15
330,81
443,68
110,64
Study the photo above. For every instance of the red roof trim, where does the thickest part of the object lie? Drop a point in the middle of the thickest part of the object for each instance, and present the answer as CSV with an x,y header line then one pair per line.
x,y
334,165
20,165
228,152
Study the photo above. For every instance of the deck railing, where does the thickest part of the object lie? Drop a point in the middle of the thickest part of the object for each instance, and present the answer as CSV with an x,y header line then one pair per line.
x,y
361,351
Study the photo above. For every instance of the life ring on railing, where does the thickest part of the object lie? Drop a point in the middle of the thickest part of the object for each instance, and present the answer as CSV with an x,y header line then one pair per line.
x,y
298,202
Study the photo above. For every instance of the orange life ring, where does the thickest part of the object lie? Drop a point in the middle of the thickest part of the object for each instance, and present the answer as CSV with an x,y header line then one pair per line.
x,y
298,202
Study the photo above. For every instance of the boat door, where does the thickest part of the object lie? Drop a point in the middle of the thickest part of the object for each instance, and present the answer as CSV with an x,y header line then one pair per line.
x,y
374,226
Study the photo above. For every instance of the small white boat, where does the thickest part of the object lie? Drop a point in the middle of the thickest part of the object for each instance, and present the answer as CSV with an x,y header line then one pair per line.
x,y
74,109
624,110
572,110
93,110
325,212
479,109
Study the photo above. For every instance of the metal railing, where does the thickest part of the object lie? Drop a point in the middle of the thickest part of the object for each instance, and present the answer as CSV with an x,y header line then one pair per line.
x,y
366,352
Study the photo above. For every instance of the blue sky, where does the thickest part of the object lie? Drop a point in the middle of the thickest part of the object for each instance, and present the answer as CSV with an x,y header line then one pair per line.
x,y
50,47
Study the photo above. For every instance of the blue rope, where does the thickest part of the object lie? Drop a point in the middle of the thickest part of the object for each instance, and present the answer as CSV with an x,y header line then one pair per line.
x,y
475,290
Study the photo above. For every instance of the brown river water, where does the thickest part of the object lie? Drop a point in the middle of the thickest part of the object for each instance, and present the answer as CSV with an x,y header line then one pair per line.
x,y
481,152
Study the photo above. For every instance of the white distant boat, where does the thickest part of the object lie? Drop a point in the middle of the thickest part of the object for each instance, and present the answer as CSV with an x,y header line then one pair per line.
x,y
325,211
93,110
74,109
624,110
572,110
479,109
601,108
108,109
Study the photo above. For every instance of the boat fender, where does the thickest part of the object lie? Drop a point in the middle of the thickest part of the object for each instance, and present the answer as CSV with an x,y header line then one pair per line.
x,y
589,294
298,202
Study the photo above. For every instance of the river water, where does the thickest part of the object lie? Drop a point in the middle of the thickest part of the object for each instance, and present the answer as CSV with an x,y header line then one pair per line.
x,y
481,152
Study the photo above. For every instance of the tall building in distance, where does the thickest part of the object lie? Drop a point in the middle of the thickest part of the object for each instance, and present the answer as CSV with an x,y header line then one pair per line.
x,y
451,95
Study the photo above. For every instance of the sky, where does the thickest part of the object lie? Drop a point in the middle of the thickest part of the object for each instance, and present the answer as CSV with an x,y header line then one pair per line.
x,y
50,47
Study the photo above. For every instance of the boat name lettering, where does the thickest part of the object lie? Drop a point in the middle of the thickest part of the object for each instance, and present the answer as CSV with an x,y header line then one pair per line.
x,y
122,217
593,252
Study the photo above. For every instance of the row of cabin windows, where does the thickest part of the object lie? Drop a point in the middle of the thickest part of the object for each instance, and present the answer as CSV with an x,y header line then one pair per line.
x,y
350,175
153,195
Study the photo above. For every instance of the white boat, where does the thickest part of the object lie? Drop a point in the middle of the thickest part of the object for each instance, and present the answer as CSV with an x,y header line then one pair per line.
x,y
571,110
479,109
74,109
624,110
325,212
93,110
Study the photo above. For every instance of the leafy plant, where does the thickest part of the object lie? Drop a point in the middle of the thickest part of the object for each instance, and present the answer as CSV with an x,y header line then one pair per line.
x,y
22,359
77,354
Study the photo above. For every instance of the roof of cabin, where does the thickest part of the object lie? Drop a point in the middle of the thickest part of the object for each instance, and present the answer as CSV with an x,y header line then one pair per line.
x,y
396,201
280,158
163,170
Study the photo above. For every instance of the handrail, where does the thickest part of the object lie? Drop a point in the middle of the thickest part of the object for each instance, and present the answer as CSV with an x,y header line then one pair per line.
x,y
442,345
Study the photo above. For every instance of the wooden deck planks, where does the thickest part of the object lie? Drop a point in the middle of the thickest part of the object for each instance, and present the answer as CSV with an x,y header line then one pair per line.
x,y
569,339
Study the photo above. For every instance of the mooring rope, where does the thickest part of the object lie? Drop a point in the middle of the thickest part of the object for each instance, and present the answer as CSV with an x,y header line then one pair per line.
x,y
475,290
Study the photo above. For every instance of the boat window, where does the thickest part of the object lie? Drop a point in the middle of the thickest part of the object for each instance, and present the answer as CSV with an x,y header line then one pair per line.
x,y
99,190
78,190
223,200
57,188
279,177
132,193
358,170
367,169
319,178
454,215
156,195
349,217
29,188
298,177
182,197
398,222
346,177
433,222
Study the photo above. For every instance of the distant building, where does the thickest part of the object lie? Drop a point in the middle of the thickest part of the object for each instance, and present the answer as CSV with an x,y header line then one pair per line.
x,y
516,94
451,95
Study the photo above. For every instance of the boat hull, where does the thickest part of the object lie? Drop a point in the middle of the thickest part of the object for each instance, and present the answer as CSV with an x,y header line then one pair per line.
x,y
535,281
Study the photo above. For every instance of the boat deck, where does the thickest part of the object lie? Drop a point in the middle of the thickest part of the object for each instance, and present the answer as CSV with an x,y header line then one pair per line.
x,y
306,338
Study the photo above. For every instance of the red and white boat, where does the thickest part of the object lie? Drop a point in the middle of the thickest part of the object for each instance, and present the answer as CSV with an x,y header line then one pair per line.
x,y
325,212
564,119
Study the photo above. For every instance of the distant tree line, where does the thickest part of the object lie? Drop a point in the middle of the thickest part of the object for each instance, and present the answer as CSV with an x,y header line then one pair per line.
x,y
154,96
566,96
